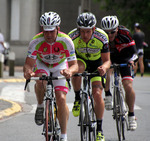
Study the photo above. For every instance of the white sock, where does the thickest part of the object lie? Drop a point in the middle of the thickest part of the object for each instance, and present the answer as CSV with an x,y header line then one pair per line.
x,y
40,105
64,136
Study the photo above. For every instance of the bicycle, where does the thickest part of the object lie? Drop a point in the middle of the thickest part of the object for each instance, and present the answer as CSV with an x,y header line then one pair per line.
x,y
51,129
87,118
120,108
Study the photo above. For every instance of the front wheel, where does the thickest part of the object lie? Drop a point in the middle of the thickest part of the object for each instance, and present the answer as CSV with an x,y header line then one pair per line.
x,y
47,121
117,113
92,121
83,120
49,128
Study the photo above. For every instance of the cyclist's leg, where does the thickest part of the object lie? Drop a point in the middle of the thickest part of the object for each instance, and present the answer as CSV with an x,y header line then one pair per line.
x,y
108,75
61,90
127,82
40,69
135,68
99,104
76,82
63,112
108,95
141,64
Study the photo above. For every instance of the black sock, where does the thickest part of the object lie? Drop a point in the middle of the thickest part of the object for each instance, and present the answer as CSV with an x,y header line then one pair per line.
x,y
99,125
77,95
107,93
131,114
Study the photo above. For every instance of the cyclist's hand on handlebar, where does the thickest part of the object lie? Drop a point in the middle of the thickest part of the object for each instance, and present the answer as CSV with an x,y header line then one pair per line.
x,y
66,72
28,74
131,63
101,70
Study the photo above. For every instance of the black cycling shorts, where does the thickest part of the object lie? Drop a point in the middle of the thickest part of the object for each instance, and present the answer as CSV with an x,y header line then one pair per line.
x,y
126,73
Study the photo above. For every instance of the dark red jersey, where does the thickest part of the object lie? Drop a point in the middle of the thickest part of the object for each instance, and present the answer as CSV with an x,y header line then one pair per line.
x,y
123,47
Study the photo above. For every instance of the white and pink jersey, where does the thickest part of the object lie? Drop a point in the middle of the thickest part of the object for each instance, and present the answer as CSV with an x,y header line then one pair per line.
x,y
52,54
52,57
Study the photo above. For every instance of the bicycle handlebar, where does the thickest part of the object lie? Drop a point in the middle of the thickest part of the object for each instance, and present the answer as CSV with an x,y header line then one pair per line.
x,y
91,74
47,78
86,74
119,65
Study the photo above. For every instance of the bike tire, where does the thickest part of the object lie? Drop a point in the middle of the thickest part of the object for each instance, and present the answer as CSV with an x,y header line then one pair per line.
x,y
83,120
92,120
55,124
123,116
47,121
117,116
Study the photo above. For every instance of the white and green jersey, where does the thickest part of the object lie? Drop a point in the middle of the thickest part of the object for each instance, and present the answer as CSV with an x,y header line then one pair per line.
x,y
52,54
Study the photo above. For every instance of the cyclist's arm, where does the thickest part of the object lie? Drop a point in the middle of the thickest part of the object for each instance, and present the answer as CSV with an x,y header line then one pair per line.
x,y
106,63
73,68
28,68
2,40
2,43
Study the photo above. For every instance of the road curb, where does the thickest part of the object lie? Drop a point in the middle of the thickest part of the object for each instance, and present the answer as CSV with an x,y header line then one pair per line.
x,y
15,108
8,80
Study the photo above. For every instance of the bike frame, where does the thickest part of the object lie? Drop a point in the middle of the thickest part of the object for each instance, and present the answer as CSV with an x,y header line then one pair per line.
x,y
119,104
87,118
51,127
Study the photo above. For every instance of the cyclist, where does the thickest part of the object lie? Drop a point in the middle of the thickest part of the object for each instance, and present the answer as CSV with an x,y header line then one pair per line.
x,y
91,45
51,51
122,50
2,47
139,37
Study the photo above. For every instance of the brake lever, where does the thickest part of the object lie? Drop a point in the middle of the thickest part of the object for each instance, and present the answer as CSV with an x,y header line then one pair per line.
x,y
26,84
68,80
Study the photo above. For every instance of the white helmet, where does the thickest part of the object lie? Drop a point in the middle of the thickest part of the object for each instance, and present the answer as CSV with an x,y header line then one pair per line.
x,y
109,23
49,21
86,20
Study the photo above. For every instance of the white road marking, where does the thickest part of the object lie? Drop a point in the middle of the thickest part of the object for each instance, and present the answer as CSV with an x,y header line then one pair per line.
x,y
137,107
14,93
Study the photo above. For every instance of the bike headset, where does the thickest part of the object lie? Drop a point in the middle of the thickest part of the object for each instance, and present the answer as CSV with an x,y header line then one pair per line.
x,y
86,20
49,21
109,22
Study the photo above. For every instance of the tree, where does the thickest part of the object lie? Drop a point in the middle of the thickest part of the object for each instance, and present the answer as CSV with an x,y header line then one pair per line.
x,y
130,11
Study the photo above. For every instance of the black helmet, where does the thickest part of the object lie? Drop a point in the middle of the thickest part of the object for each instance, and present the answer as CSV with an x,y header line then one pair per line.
x,y
86,20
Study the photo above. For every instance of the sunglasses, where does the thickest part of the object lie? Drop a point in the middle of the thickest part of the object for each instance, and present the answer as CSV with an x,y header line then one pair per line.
x,y
111,32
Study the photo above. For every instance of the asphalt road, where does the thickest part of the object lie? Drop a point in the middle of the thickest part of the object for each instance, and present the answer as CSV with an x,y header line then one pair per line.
x,y
21,126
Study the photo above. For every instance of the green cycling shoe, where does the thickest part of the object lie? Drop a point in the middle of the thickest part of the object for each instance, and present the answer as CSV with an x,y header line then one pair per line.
x,y
100,136
76,108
